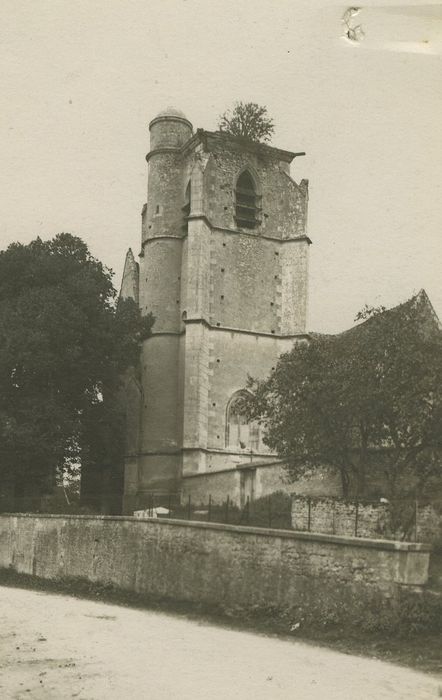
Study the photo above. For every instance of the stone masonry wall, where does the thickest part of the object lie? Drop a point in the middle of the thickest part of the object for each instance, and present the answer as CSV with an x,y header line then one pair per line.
x,y
351,518
330,515
223,479
217,485
245,280
210,563
284,202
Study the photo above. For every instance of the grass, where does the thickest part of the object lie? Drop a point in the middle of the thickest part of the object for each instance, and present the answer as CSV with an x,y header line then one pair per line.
x,y
420,650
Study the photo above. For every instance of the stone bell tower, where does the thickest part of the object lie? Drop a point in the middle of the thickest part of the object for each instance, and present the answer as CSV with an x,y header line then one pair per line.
x,y
223,268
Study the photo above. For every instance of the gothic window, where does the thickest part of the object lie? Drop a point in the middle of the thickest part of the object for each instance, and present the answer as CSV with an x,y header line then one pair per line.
x,y
247,201
240,433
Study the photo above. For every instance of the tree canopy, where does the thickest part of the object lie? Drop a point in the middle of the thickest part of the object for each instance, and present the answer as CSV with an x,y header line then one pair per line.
x,y
366,401
64,344
249,120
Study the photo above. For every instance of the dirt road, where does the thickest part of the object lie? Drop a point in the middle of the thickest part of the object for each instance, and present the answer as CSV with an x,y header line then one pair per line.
x,y
54,647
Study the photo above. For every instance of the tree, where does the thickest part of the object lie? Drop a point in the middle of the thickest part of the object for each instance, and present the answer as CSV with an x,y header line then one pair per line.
x,y
367,400
64,344
249,120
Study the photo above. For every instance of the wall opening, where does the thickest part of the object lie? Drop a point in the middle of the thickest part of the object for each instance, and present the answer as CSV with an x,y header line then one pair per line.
x,y
247,486
241,434
186,207
247,200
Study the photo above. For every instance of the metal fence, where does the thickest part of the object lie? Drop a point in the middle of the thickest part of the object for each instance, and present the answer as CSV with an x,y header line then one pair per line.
x,y
273,511
407,518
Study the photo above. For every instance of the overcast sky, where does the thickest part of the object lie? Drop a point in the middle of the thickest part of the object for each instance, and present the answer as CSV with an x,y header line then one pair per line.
x,y
81,80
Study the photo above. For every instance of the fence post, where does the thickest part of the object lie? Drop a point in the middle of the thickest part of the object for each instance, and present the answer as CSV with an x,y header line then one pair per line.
x,y
248,510
209,510
189,508
356,517
334,517
309,513
169,504
270,511
227,510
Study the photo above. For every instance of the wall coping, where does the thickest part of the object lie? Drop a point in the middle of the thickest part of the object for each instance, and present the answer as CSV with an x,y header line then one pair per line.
x,y
346,541
244,466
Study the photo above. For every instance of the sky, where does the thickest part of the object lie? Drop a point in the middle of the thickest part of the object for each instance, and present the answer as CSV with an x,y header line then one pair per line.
x,y
81,80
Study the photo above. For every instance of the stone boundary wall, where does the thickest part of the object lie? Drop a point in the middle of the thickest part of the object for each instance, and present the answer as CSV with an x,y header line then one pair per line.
x,y
362,519
209,563
337,516
218,485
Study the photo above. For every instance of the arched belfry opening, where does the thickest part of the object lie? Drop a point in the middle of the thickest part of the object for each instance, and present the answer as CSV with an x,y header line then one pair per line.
x,y
241,434
247,201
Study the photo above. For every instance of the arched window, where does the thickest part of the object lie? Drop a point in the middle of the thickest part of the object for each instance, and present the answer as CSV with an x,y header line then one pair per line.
x,y
240,433
247,209
186,207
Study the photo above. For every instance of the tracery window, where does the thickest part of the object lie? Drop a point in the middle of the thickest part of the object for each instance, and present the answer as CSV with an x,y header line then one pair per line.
x,y
247,202
241,434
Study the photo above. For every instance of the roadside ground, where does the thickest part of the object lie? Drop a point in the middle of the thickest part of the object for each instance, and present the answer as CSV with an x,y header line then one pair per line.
x,y
56,646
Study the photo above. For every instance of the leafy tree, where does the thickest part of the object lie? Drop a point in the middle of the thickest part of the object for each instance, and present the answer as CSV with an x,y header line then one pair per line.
x,y
64,344
364,401
249,120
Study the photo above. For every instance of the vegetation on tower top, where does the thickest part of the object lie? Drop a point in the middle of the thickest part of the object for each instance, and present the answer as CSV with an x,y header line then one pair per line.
x,y
249,120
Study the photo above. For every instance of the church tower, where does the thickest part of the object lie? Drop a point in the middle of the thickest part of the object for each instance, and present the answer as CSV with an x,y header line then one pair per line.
x,y
223,268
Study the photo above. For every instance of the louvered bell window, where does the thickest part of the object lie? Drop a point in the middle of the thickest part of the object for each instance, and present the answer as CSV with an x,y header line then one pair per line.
x,y
247,202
